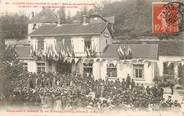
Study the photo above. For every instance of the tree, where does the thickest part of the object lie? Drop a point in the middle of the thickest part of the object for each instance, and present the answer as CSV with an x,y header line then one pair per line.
x,y
68,19
130,16
9,66
83,11
62,15
14,27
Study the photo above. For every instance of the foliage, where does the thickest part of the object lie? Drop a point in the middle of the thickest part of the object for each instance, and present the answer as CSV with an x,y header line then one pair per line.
x,y
165,81
131,18
14,26
62,15
9,67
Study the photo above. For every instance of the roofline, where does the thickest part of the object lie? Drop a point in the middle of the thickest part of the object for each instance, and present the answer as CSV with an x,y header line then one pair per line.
x,y
43,22
132,44
25,58
64,34
172,56
106,24
143,58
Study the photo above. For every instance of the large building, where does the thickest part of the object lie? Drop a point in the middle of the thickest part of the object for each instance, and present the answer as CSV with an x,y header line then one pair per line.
x,y
88,48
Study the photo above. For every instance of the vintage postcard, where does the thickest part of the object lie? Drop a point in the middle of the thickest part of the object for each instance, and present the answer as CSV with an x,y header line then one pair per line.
x,y
92,57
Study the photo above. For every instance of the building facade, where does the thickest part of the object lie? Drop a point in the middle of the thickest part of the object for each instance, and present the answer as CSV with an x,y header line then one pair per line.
x,y
88,48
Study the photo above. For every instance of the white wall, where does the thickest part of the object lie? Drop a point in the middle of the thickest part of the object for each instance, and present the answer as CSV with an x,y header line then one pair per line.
x,y
163,59
160,68
149,72
78,43
96,70
30,28
96,42
100,70
32,66
103,69
125,68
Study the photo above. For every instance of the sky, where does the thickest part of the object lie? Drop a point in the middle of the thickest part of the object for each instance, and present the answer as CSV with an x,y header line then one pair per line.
x,y
26,7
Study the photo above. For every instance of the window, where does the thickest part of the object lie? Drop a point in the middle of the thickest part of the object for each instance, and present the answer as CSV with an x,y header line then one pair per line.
x,y
138,71
111,70
87,43
40,44
88,69
40,67
168,68
25,67
63,67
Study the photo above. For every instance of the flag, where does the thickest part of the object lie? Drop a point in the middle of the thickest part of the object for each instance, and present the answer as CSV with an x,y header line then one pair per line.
x,y
64,53
64,59
120,51
97,60
76,60
32,51
149,64
70,54
129,51
34,47
182,63
103,60
71,59
168,64
87,51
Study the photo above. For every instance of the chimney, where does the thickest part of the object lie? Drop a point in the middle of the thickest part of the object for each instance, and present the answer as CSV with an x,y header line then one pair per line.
x,y
84,20
58,20
32,15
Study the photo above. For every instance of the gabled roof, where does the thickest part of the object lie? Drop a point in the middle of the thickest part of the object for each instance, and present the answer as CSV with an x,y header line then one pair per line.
x,y
110,19
171,48
45,16
70,29
43,30
147,51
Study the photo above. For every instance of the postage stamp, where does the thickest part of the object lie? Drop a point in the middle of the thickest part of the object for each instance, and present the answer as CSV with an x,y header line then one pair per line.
x,y
164,17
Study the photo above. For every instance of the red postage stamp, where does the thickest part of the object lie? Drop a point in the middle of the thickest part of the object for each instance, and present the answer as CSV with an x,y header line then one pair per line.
x,y
164,18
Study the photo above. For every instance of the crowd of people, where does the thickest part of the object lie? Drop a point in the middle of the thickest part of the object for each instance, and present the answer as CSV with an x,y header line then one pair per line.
x,y
60,91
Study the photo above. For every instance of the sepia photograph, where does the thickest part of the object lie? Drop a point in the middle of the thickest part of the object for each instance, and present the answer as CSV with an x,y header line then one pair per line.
x,y
92,57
